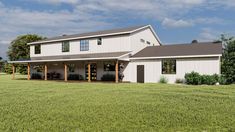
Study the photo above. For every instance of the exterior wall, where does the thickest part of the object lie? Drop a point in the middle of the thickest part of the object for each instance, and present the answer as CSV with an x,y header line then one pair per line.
x,y
109,44
153,68
119,43
147,35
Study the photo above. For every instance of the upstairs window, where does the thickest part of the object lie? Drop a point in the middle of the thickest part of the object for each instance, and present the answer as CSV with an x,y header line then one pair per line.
x,y
99,41
65,46
37,49
169,66
148,42
84,45
142,40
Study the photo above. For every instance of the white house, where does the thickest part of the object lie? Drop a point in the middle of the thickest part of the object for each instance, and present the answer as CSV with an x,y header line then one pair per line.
x,y
132,54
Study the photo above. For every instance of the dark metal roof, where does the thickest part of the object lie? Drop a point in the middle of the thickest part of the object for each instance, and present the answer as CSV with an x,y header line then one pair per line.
x,y
98,33
207,48
82,56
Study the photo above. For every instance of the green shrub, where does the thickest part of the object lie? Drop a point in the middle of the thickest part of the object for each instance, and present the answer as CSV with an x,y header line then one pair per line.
x,y
209,79
192,78
2,66
216,77
195,78
36,76
22,69
163,79
179,80
75,77
108,77
222,80
8,68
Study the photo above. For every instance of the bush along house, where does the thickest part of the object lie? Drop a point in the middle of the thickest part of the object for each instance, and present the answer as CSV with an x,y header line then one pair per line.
x,y
133,54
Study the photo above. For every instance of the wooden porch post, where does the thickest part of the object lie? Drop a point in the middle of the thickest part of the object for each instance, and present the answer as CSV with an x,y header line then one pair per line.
x,y
65,72
116,72
28,71
45,72
89,72
13,71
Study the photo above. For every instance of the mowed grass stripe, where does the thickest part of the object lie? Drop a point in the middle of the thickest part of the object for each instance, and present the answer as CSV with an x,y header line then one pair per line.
x,y
58,106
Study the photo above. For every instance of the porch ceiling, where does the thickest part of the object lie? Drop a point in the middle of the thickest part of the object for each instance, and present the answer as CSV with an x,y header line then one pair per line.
x,y
81,57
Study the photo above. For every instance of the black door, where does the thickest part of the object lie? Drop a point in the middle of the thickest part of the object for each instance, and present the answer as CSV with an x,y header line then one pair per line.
x,y
140,73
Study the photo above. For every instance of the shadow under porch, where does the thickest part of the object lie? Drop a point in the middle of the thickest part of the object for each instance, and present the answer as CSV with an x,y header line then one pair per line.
x,y
74,71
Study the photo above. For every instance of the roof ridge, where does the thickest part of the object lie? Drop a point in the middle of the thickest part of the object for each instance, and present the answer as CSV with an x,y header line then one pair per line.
x,y
208,42
93,33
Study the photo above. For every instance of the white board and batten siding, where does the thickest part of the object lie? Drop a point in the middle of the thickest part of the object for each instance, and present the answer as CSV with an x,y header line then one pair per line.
x,y
109,44
146,35
153,69
118,43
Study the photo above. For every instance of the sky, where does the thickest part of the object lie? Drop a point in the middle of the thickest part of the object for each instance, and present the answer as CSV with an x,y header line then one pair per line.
x,y
175,21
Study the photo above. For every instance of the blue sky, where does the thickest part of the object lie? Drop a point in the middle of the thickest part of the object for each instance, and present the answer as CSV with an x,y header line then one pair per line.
x,y
175,21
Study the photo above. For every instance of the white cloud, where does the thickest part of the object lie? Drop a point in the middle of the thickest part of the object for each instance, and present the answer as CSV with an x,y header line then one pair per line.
x,y
57,1
167,22
223,3
208,34
87,15
18,21
157,9
172,23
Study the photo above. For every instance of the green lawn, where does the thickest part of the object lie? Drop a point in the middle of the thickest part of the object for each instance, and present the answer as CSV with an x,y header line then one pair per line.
x,y
58,106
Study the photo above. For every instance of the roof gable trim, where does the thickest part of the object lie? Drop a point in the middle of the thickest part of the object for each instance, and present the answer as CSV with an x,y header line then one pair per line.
x,y
168,57
100,35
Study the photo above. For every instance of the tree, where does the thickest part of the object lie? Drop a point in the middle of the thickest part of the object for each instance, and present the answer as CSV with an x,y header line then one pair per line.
x,y
1,64
19,50
8,68
224,39
194,42
228,62
228,58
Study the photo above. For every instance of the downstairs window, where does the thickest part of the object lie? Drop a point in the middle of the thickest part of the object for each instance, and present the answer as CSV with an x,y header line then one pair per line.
x,y
169,66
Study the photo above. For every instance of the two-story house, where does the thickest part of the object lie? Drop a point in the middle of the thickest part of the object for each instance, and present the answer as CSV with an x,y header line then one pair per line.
x,y
133,54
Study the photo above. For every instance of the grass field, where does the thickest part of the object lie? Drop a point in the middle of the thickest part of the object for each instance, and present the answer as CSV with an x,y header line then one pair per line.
x,y
58,106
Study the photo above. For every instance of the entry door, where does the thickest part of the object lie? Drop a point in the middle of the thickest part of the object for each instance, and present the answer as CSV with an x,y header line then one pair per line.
x,y
140,73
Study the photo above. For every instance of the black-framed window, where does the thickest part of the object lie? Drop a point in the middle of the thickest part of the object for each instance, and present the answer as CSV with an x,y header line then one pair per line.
x,y
99,41
169,66
71,67
65,46
37,49
38,68
110,66
84,45
142,40
148,42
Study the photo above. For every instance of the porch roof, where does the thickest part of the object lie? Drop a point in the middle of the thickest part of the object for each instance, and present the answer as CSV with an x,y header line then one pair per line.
x,y
81,57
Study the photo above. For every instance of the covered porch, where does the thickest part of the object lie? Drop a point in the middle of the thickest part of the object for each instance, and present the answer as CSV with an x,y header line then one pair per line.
x,y
91,67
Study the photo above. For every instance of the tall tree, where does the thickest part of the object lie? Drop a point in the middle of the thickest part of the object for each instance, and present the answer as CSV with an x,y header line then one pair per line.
x,y
228,58
225,39
228,62
1,64
19,50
